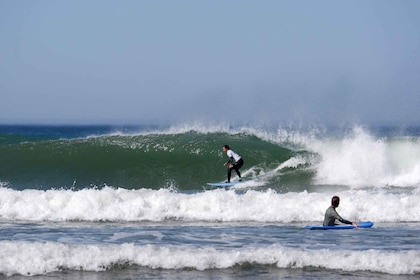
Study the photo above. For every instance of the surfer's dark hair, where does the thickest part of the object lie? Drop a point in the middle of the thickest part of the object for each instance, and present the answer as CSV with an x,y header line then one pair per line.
x,y
335,201
226,147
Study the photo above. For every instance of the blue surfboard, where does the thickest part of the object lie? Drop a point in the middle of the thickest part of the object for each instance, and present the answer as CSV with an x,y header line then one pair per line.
x,y
361,225
224,184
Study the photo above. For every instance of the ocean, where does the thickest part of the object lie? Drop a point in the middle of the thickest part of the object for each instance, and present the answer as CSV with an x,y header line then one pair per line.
x,y
131,202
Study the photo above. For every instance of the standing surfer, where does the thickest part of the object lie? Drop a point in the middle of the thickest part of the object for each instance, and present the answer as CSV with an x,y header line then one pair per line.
x,y
235,162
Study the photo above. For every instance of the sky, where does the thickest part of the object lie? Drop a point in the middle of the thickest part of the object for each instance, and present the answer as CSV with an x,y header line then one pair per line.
x,y
132,62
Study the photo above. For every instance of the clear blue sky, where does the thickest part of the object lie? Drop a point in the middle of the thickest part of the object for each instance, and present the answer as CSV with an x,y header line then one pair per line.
x,y
157,61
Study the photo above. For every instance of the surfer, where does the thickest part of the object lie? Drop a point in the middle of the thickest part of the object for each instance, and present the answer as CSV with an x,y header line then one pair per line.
x,y
235,162
331,214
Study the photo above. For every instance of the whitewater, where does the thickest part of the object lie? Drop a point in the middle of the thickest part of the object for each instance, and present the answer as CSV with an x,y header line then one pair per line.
x,y
233,205
102,201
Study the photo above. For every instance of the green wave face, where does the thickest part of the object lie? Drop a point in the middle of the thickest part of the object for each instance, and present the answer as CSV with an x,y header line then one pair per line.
x,y
185,161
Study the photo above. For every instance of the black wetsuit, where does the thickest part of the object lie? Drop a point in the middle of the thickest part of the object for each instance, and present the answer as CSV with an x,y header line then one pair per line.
x,y
236,164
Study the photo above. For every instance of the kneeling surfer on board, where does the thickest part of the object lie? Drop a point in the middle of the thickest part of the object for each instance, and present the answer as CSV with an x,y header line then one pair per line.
x,y
235,162
331,214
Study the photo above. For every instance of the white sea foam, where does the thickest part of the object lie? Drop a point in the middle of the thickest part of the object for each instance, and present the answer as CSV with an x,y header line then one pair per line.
x,y
110,204
361,160
34,258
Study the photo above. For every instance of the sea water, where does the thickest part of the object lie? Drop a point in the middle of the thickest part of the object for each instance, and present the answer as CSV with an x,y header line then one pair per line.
x,y
102,202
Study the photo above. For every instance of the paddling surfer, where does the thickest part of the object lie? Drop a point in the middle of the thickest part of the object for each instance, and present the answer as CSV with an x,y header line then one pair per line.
x,y
331,214
235,162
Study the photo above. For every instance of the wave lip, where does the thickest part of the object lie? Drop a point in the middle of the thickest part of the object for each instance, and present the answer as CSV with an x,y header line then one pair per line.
x,y
37,258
